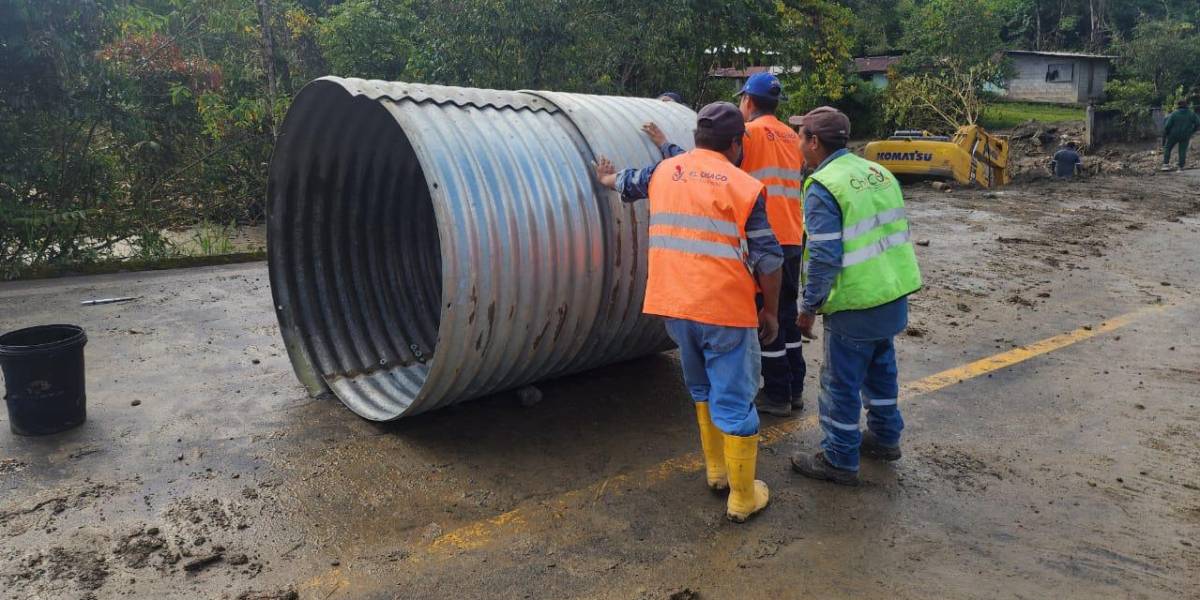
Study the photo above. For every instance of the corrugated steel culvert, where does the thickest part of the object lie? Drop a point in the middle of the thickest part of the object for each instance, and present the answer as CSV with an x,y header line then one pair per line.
x,y
430,245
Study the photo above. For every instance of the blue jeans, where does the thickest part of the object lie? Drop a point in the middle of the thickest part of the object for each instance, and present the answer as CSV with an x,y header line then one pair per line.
x,y
857,374
720,367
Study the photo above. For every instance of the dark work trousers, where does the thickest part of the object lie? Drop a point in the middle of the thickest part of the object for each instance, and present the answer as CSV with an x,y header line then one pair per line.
x,y
783,367
1182,144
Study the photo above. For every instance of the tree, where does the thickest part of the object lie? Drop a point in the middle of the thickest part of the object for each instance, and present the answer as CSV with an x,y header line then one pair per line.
x,y
817,41
941,100
120,118
372,39
1160,54
53,109
875,26
935,30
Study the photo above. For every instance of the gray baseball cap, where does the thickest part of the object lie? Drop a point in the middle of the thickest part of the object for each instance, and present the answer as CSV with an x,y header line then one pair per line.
x,y
722,119
827,123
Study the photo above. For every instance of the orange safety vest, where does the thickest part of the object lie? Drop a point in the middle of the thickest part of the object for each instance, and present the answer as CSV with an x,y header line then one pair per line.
x,y
699,203
772,156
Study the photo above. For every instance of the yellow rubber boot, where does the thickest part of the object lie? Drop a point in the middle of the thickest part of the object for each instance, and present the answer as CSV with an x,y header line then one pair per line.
x,y
714,449
747,495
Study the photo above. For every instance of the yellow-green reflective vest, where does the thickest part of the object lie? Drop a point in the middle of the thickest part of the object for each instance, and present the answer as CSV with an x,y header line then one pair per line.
x,y
878,261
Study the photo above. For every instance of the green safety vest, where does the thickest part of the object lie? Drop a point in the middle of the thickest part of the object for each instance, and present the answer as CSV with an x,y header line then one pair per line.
x,y
878,261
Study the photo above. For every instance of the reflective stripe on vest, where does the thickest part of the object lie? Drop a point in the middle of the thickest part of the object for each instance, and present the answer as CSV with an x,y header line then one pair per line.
x,y
778,172
772,156
730,248
699,203
874,249
888,216
794,193
879,264
728,228
715,249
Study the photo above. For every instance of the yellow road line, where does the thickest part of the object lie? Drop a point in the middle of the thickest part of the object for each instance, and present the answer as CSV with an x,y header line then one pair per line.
x,y
1021,354
480,533
477,534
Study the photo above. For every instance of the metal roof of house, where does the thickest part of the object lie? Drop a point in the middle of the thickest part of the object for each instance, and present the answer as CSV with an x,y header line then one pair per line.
x,y
743,73
874,64
1060,54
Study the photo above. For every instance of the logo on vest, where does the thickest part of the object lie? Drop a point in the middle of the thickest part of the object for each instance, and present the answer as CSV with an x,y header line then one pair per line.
x,y
708,177
783,137
875,179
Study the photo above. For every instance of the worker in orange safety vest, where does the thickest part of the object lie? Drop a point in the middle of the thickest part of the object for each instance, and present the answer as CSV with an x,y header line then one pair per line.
x,y
772,156
710,243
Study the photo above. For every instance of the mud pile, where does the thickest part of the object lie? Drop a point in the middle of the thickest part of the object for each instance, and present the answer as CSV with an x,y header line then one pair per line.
x,y
1034,143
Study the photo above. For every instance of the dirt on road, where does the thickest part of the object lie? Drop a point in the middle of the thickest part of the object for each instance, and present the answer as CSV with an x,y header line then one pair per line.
x,y
204,471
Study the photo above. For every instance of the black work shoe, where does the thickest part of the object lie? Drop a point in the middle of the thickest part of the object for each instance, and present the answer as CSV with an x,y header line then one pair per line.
x,y
817,466
770,407
872,448
797,403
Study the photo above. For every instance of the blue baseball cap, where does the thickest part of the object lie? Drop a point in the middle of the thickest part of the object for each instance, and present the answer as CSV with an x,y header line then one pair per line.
x,y
763,85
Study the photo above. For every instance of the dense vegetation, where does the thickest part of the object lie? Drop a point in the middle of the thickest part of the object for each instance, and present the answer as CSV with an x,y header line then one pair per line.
x,y
122,118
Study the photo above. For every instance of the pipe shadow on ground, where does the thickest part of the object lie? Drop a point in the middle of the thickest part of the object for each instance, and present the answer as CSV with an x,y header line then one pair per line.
x,y
577,420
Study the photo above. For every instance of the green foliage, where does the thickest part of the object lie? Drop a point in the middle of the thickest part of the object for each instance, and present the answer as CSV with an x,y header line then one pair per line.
x,y
1180,94
122,119
1132,97
942,99
875,26
863,105
1162,53
935,30
373,39
212,239
1006,115
816,43
860,100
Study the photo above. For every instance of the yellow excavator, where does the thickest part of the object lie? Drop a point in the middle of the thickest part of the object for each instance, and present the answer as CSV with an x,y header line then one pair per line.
x,y
971,156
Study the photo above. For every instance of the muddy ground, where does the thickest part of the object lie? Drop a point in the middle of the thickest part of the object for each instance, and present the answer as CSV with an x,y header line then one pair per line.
x,y
205,472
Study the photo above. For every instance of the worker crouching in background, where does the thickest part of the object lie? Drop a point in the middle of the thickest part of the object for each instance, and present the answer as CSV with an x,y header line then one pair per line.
x,y
860,267
1066,162
709,241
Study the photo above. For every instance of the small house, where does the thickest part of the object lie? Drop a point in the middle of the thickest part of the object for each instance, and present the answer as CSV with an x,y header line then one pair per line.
x,y
875,69
736,76
1057,77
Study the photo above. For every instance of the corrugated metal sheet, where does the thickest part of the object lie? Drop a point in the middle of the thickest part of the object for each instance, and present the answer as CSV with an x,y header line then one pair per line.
x,y
430,245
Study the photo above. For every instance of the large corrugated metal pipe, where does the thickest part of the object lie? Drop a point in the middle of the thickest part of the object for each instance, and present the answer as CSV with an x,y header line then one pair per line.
x,y
429,245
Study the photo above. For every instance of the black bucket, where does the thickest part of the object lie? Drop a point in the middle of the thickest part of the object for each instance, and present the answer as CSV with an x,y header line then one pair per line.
x,y
43,378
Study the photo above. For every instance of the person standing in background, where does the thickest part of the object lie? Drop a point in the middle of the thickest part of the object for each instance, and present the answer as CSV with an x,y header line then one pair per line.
x,y
1177,133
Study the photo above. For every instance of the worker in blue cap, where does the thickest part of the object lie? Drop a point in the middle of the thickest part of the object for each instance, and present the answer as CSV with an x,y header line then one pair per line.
x,y
772,156
671,97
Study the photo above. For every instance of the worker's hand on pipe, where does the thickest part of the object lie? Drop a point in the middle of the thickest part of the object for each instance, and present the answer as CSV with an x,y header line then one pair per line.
x,y
768,327
606,172
805,322
656,135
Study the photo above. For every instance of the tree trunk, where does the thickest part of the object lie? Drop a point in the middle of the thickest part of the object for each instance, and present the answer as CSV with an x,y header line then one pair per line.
x,y
1096,14
1062,14
268,57
1037,17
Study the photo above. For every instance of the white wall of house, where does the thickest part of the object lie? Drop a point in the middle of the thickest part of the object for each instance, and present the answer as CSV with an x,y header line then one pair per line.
x,y
1059,79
